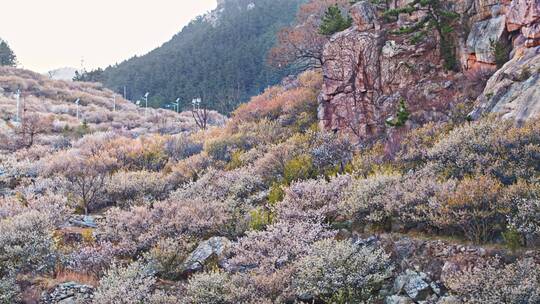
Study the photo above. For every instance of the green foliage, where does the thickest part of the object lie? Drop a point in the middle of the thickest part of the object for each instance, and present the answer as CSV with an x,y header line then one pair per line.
x,y
501,52
437,17
299,168
7,56
402,115
92,76
260,218
236,160
276,194
82,130
205,58
512,239
334,22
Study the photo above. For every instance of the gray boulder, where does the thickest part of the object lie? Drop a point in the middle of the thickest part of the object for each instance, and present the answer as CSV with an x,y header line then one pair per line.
x,y
213,248
414,285
483,34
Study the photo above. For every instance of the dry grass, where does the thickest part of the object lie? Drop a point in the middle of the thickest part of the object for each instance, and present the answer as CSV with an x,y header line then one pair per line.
x,y
64,276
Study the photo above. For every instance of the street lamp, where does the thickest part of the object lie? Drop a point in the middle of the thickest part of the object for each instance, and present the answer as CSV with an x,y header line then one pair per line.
x,y
196,103
177,105
146,107
18,97
114,103
77,103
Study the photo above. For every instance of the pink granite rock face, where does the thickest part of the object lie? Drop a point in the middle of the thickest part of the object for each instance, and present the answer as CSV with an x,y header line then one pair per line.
x,y
524,15
367,71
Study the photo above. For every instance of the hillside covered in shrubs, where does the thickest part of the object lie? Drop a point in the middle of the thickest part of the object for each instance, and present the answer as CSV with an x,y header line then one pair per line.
x,y
291,199
267,208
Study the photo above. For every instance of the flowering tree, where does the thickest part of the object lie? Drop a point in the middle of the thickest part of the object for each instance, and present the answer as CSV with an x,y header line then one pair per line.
x,y
302,44
85,173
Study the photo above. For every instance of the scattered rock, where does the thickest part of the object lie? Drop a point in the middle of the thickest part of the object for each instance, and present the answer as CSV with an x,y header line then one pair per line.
x,y
395,299
69,293
414,285
85,221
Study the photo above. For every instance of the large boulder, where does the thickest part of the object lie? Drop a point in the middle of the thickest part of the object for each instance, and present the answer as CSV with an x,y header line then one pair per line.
x,y
413,284
514,90
212,249
481,40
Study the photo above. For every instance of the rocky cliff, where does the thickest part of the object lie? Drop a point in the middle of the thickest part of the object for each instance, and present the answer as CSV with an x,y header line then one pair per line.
x,y
368,68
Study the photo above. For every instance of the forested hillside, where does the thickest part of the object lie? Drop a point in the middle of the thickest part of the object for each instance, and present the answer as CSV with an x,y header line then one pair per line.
x,y
220,57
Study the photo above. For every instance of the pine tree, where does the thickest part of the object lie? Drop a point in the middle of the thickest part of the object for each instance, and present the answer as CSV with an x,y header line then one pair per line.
x,y
7,56
437,17
334,22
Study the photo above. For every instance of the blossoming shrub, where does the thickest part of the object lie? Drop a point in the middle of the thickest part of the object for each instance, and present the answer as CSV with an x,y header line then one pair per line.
x,y
489,146
167,257
474,208
9,290
341,272
268,256
210,287
131,284
132,187
497,283
26,243
369,200
315,200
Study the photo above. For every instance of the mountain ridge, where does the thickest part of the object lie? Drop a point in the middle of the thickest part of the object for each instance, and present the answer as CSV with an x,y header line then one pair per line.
x,y
236,36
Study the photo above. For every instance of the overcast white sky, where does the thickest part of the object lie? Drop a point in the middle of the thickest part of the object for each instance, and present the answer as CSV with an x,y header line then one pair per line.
x,y
49,34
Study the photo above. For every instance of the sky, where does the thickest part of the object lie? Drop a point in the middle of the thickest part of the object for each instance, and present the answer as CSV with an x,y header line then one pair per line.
x,y
50,34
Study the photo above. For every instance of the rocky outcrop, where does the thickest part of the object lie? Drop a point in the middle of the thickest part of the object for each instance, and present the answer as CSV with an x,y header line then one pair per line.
x,y
367,71
415,286
524,16
352,84
514,90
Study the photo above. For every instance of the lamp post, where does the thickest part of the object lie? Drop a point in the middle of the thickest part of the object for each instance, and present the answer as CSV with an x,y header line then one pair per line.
x,y
177,105
196,104
146,105
18,97
77,103
114,103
